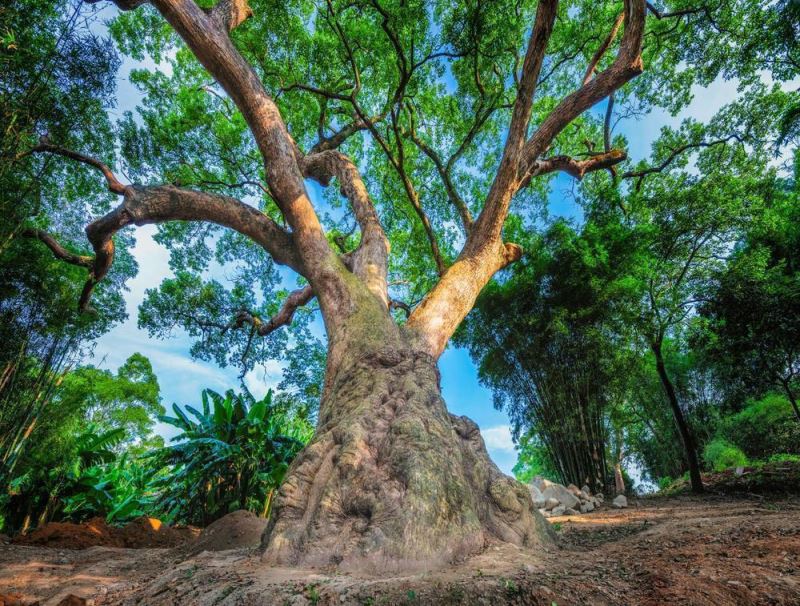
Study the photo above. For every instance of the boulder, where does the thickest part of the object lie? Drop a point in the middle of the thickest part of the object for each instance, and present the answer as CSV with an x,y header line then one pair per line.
x,y
561,494
570,512
619,501
587,507
574,490
536,496
541,483
550,503
558,511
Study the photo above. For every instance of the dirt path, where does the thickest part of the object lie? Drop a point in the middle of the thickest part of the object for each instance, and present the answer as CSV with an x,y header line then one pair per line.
x,y
709,551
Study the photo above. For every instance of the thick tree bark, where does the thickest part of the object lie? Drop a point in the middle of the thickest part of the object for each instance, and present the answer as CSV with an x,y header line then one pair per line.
x,y
391,479
683,428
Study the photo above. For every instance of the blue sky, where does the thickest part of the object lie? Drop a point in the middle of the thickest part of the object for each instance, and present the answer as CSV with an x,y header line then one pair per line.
x,y
182,378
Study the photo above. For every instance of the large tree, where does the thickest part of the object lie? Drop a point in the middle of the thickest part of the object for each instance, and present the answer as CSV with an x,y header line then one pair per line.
x,y
447,112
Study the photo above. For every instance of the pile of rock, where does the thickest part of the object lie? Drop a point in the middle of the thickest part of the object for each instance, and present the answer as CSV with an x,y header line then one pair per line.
x,y
553,499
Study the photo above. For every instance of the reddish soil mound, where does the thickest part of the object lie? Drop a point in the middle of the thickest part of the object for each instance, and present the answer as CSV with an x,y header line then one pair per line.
x,y
236,530
141,533
66,535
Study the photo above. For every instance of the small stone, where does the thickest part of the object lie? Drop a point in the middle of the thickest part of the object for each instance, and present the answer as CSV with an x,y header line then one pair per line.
x,y
586,490
571,512
599,497
587,507
619,501
574,490
558,511
551,503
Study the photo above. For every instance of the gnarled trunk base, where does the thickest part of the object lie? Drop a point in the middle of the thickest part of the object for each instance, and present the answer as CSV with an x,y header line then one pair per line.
x,y
392,480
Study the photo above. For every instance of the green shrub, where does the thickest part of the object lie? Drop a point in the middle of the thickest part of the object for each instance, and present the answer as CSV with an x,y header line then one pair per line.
x,y
665,482
764,428
720,454
784,458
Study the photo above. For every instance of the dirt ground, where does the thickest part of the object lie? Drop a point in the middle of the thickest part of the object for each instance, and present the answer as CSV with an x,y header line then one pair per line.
x,y
681,550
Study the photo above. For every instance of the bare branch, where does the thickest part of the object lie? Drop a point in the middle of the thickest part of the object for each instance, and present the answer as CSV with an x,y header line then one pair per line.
x,y
295,300
444,172
579,168
149,205
679,13
114,185
674,154
59,251
603,48
626,66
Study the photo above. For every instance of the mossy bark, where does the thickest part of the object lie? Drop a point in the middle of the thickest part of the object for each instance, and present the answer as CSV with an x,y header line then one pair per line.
x,y
392,480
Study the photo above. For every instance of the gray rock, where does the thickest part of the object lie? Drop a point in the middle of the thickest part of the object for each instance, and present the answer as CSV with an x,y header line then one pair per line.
x,y
619,501
586,490
574,490
599,497
587,507
558,511
550,503
561,494
536,496
541,483
545,513
570,512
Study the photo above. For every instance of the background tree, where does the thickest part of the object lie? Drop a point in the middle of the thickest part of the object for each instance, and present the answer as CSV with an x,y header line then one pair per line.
x,y
753,327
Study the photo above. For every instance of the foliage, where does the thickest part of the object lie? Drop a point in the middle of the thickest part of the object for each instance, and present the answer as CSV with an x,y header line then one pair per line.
x,y
765,427
128,399
87,418
720,454
232,456
121,490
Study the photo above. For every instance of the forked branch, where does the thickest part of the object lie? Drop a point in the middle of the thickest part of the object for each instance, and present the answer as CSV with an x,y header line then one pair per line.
x,y
295,300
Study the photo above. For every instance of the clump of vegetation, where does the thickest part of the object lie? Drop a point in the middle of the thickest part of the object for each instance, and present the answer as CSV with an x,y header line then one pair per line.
x,y
720,454
233,455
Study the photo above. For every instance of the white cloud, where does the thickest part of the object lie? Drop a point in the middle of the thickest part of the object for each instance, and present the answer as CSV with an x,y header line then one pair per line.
x,y
498,438
264,377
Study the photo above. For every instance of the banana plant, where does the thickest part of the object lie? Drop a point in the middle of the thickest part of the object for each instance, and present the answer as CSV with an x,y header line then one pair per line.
x,y
231,454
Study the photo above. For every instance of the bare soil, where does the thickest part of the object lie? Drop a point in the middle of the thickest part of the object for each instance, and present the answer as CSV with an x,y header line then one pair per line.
x,y
713,550
140,533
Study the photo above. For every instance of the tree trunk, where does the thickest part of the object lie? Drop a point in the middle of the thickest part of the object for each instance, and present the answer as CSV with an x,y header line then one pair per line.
x,y
391,479
683,428
792,399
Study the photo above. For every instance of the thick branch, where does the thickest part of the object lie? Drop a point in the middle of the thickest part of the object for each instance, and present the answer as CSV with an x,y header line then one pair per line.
x,y
370,261
579,168
212,46
229,14
149,205
626,66
295,300
445,306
